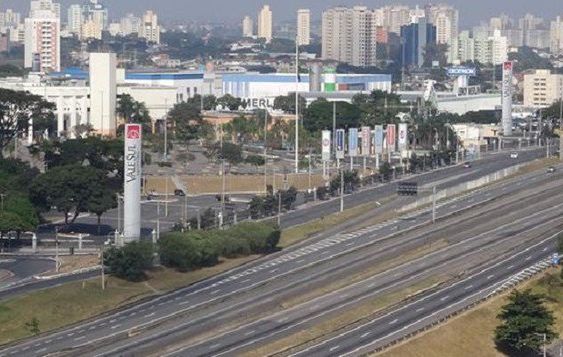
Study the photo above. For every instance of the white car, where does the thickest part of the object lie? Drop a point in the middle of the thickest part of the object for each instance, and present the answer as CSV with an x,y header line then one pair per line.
x,y
513,155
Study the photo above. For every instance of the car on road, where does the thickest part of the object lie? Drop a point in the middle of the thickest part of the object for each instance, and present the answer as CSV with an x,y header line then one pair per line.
x,y
179,192
514,155
467,165
550,169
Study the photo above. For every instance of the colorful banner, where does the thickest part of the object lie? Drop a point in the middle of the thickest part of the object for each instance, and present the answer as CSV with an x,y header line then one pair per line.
x,y
325,143
391,137
366,142
378,139
340,144
353,142
403,135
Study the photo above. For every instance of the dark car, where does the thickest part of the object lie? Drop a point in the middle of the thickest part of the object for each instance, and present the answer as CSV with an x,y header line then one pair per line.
x,y
467,165
550,170
179,192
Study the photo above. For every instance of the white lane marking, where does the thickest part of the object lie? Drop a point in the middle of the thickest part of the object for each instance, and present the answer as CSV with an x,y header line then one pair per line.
x,y
444,298
214,346
393,322
365,335
334,348
544,249
149,315
468,287
530,257
249,333
490,276
79,338
510,267
115,326
300,261
215,291
42,350
182,303
245,281
274,270
284,319
419,309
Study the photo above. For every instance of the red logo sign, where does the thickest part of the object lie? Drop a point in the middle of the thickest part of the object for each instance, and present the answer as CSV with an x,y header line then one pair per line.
x,y
133,132
508,66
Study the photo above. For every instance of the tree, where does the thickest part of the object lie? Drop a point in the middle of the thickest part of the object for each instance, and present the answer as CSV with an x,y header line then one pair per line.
x,y
16,111
524,321
286,103
33,326
132,111
68,188
379,107
188,122
102,200
209,102
131,261
232,153
229,102
318,115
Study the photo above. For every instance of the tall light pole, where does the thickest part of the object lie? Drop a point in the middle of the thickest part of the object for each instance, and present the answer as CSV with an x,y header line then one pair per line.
x,y
561,122
296,105
166,130
265,151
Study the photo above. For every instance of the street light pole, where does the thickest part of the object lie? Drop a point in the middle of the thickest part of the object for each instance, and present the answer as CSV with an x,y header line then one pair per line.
x,y
342,189
433,204
166,130
296,105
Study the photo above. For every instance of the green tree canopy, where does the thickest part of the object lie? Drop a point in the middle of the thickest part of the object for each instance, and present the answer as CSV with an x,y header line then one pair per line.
x,y
229,102
131,261
379,107
318,115
524,320
17,109
68,188
286,103
188,122
132,111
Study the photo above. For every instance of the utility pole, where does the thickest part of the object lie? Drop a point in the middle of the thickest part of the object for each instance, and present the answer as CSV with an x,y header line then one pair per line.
x,y
166,130
342,189
334,127
222,182
102,264
296,105
185,210
118,212
433,204
279,208
265,151
57,249
561,125
309,162
166,197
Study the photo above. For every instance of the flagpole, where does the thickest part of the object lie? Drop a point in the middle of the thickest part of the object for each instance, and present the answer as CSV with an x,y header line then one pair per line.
x,y
296,105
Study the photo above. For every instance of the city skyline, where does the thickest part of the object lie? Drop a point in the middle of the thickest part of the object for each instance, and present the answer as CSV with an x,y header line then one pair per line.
x,y
233,11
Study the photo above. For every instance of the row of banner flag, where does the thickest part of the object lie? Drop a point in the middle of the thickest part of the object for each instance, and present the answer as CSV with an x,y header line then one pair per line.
x,y
365,141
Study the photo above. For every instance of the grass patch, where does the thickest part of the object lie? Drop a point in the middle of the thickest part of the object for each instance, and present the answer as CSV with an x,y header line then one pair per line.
x,y
74,302
357,314
474,330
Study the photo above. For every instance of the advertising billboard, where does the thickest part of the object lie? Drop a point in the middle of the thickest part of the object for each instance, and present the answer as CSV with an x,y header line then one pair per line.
x,y
507,98
391,137
366,140
132,182
461,71
378,139
403,132
326,145
340,144
353,142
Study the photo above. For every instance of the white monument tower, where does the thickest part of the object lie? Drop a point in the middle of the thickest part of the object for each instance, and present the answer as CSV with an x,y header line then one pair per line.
x,y
507,98
132,183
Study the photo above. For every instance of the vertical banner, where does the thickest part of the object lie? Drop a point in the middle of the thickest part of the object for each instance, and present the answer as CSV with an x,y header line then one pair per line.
x,y
403,134
353,142
132,183
391,137
366,142
326,145
378,139
340,144
507,98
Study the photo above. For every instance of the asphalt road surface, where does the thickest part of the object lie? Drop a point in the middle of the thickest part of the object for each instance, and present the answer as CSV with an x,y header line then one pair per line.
x,y
144,326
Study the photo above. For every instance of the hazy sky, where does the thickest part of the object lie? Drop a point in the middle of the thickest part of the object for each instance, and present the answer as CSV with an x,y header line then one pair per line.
x,y
471,11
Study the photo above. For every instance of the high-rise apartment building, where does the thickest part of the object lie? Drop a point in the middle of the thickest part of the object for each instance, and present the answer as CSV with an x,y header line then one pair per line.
x,y
265,23
95,11
150,30
42,36
303,27
130,24
75,19
542,88
348,35
466,47
446,20
556,36
247,27
498,48
394,17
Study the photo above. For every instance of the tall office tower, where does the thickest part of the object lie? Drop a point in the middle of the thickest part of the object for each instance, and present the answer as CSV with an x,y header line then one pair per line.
x,y
556,36
303,27
130,24
150,30
481,44
11,18
527,25
415,37
247,27
498,48
265,23
502,22
96,11
42,36
348,35
446,20
75,19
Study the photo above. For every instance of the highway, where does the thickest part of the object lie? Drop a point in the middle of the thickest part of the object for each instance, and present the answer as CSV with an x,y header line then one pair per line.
x,y
211,300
